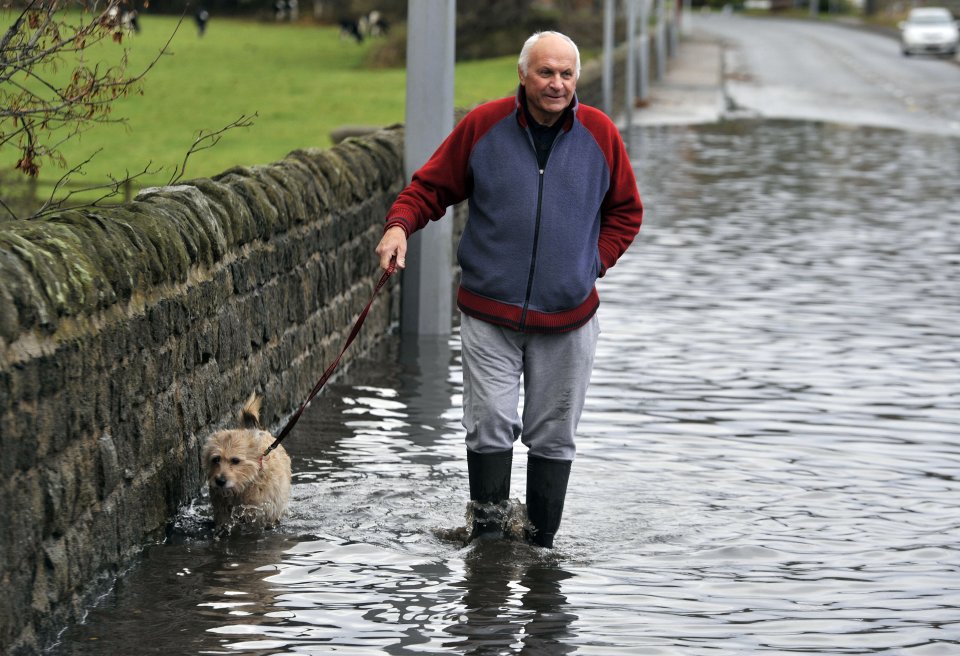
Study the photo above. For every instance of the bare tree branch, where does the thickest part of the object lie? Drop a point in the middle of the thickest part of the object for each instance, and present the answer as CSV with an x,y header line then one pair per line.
x,y
41,109
13,215
34,103
110,190
206,140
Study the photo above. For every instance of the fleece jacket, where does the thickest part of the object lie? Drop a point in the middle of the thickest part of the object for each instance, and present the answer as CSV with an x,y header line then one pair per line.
x,y
536,239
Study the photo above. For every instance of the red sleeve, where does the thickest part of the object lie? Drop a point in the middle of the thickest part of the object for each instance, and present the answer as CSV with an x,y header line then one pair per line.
x,y
445,179
622,210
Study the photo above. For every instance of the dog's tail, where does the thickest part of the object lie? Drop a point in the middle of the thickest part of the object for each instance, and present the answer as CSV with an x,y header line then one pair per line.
x,y
250,415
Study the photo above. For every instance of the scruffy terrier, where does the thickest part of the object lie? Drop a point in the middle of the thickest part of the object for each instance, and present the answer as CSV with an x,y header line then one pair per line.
x,y
245,486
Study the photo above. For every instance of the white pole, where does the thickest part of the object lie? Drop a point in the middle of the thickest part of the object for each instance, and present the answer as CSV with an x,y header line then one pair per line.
x,y
644,90
428,279
630,93
661,41
608,19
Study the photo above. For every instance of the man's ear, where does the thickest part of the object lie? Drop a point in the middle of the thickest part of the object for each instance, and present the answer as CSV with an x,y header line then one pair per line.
x,y
520,74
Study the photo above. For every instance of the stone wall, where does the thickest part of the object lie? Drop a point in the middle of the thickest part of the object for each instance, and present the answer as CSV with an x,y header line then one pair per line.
x,y
127,335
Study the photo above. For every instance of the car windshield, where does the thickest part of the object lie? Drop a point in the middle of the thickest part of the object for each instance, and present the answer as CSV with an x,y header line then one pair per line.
x,y
930,18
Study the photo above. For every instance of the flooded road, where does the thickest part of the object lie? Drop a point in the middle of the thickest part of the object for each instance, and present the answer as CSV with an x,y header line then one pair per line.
x,y
768,459
816,70
768,463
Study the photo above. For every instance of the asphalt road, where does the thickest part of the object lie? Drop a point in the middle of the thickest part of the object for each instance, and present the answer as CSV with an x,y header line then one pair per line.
x,y
794,69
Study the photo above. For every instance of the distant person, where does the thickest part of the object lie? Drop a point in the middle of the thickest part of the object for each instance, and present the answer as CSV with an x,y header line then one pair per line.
x,y
201,17
553,205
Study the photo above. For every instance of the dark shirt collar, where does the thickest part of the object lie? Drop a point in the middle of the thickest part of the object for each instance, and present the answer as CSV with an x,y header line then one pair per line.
x,y
534,124
526,118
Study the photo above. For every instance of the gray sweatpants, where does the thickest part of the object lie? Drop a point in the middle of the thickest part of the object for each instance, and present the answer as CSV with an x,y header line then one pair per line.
x,y
555,370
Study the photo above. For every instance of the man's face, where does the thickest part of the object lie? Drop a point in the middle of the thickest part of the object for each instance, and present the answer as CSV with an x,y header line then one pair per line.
x,y
551,78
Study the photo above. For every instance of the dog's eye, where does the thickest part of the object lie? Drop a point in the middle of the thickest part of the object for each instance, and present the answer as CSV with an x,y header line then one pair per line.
x,y
234,461
215,460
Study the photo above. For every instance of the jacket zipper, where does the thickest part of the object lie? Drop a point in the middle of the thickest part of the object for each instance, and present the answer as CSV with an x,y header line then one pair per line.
x,y
536,225
533,255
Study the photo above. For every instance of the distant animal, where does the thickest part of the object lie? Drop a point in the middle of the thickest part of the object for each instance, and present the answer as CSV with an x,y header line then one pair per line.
x,y
245,486
376,24
131,20
286,10
122,20
350,29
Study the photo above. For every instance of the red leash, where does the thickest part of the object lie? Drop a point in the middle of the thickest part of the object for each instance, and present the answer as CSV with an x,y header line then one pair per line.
x,y
326,374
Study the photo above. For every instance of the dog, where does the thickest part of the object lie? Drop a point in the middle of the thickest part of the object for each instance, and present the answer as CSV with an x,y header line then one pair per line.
x,y
246,487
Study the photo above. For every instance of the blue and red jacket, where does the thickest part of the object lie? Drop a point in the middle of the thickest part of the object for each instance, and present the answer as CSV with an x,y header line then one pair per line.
x,y
535,240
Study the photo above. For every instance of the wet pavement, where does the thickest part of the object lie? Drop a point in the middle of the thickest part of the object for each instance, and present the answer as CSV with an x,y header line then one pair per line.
x,y
768,459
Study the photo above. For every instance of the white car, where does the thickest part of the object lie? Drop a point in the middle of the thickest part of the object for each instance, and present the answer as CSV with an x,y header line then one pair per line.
x,y
930,30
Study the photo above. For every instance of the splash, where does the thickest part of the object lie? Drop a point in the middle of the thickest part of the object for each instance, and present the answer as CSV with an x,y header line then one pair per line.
x,y
510,515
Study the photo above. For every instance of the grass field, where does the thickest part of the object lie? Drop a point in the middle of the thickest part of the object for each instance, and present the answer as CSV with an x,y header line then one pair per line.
x,y
302,81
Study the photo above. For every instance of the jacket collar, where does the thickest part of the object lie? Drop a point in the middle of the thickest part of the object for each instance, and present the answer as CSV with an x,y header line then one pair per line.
x,y
568,116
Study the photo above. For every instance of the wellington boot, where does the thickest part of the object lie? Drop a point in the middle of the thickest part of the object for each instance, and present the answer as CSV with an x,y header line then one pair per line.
x,y
489,491
546,491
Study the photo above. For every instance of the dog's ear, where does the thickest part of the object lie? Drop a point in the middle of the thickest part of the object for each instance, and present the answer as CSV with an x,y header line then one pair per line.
x,y
250,415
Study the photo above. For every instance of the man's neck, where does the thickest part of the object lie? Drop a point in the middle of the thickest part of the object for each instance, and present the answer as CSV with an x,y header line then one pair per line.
x,y
536,120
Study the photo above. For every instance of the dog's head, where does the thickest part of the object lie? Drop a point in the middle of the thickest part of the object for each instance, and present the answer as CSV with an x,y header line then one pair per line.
x,y
232,460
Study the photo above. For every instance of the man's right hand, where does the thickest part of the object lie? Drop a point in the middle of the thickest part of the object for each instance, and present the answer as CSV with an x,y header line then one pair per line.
x,y
393,244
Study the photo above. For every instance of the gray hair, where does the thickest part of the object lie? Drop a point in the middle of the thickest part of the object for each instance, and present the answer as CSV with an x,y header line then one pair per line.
x,y
524,60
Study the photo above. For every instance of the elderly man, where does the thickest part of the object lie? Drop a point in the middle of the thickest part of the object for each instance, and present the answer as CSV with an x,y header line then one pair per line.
x,y
553,204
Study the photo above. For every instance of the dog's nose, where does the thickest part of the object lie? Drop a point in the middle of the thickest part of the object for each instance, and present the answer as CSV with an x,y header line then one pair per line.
x,y
221,481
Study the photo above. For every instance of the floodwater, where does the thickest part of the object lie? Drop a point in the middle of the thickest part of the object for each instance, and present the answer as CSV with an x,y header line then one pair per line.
x,y
768,460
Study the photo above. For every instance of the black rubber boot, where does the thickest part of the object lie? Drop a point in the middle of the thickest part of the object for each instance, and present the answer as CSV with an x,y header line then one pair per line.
x,y
546,490
489,487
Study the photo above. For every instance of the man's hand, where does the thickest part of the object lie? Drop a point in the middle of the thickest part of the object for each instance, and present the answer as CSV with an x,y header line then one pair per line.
x,y
393,244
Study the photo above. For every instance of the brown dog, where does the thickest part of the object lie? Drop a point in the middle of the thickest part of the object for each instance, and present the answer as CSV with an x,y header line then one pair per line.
x,y
246,488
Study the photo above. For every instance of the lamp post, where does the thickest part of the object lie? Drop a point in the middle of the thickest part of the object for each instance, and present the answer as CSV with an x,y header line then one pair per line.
x,y
428,278
609,15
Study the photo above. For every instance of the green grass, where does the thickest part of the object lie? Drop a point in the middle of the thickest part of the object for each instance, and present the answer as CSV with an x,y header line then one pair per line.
x,y
302,81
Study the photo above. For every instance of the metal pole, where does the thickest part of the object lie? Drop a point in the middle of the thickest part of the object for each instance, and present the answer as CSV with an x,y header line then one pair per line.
x,y
673,27
644,91
428,278
661,42
608,18
630,93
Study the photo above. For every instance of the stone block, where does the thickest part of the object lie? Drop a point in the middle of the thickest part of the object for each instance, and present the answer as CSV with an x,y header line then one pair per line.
x,y
108,469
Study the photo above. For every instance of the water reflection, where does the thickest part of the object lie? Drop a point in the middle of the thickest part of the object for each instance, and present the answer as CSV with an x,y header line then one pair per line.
x,y
768,459
512,603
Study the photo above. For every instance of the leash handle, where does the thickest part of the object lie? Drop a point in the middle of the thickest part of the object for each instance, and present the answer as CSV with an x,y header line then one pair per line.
x,y
295,417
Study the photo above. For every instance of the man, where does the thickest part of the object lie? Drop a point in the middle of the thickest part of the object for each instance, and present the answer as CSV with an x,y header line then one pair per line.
x,y
553,205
